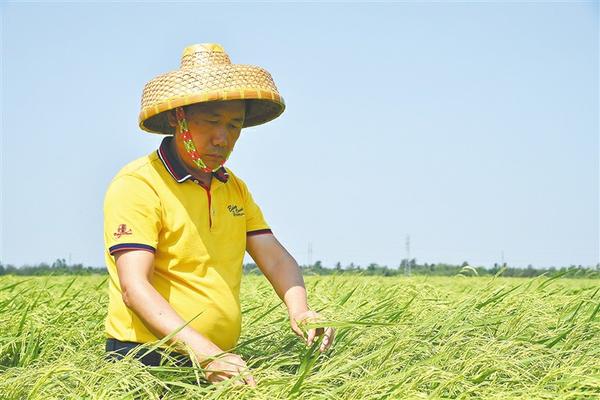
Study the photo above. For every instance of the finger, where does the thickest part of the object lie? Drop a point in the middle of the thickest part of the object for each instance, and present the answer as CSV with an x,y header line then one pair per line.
x,y
216,377
311,336
299,333
297,330
231,377
243,375
327,339
250,381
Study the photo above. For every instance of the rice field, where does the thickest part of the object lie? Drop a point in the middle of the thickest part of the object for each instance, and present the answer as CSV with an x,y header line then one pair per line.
x,y
417,338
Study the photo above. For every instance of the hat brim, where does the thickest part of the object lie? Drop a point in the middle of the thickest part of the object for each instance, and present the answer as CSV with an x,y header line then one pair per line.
x,y
263,106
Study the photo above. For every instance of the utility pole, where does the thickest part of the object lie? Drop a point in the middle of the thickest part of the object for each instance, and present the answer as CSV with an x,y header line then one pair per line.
x,y
407,266
310,253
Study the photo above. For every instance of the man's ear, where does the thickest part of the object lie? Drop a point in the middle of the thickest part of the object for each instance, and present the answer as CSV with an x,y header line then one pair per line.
x,y
172,118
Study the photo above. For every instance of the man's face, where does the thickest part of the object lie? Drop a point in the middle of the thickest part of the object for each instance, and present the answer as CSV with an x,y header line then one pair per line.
x,y
214,127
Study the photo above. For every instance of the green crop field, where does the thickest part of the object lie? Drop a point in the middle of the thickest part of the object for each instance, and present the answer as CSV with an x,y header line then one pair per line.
x,y
420,337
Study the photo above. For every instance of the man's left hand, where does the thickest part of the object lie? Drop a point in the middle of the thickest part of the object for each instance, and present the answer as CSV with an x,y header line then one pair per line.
x,y
312,316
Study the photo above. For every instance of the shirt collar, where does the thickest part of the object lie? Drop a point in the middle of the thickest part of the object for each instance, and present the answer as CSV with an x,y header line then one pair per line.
x,y
176,168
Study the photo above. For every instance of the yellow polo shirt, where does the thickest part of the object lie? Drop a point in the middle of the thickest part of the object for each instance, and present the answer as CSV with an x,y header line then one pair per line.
x,y
198,237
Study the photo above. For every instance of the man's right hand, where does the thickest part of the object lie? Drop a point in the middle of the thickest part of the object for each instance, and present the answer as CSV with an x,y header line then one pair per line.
x,y
227,366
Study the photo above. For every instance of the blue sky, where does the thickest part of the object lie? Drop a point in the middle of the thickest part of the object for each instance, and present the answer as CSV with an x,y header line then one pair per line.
x,y
471,127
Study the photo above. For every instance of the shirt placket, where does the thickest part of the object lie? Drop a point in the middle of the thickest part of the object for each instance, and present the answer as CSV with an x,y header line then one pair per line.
x,y
209,196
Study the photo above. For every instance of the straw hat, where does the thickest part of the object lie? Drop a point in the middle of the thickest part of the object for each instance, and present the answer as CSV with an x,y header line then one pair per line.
x,y
206,74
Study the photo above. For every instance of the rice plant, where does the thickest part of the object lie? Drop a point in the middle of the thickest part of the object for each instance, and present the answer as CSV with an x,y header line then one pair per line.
x,y
422,337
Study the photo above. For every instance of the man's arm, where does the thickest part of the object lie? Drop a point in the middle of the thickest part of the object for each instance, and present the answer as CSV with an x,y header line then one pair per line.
x,y
135,269
281,269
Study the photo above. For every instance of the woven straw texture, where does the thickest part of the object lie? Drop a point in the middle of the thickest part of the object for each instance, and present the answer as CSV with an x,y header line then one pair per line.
x,y
206,74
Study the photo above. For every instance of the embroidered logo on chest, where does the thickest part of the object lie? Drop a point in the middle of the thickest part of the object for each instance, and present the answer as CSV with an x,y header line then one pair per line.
x,y
235,210
122,230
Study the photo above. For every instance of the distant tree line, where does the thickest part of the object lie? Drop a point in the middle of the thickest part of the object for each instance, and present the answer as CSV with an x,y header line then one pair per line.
x,y
58,267
406,267
411,267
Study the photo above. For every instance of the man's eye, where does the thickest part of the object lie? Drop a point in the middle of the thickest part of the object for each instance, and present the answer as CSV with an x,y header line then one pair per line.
x,y
234,126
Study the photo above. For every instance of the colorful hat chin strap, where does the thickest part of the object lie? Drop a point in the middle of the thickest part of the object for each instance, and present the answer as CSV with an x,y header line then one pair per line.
x,y
189,143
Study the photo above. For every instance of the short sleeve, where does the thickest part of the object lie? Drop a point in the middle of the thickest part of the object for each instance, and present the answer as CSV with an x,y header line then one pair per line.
x,y
132,215
255,221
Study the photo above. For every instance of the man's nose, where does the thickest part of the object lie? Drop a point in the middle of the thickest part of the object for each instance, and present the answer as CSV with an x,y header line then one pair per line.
x,y
220,137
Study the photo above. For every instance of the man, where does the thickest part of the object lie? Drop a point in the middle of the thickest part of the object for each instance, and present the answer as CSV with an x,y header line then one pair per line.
x,y
177,222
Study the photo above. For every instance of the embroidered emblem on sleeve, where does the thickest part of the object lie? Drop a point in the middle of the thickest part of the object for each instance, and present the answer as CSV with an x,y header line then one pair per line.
x,y
122,230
